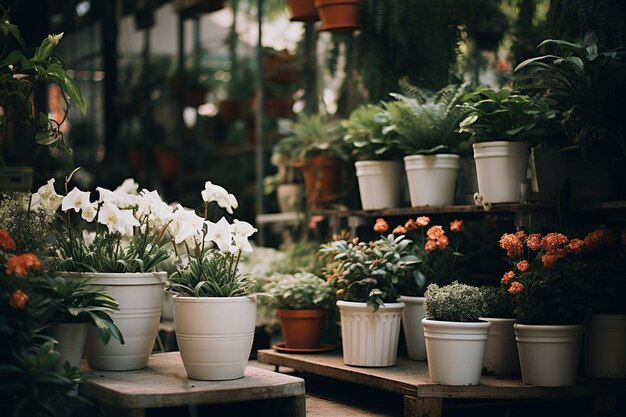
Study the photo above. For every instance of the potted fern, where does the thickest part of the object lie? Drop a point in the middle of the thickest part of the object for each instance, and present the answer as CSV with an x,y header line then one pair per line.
x,y
426,126
378,166
455,336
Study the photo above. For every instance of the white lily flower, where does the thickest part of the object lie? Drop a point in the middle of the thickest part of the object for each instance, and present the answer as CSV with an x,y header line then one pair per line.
x,y
220,233
47,197
76,199
149,203
117,220
88,237
185,224
54,39
89,213
240,244
213,192
244,229
118,199
128,186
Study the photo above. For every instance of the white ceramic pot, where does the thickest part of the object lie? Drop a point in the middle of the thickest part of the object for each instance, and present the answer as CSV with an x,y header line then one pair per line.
x,y
501,351
412,316
431,178
370,338
289,197
71,338
605,346
380,183
214,335
548,355
501,170
455,351
140,296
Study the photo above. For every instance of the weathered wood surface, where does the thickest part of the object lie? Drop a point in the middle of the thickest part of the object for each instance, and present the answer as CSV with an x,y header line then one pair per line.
x,y
411,378
164,383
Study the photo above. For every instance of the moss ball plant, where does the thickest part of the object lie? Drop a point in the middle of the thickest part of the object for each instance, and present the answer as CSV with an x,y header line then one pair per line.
x,y
499,303
454,302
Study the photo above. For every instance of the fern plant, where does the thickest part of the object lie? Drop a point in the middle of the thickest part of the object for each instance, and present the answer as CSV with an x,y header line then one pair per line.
x,y
426,122
369,134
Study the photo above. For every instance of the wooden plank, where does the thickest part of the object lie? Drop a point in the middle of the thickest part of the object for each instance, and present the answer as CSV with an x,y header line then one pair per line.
x,y
411,378
422,407
164,383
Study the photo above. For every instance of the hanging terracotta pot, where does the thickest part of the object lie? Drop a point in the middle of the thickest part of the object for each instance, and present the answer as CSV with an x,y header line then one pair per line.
x,y
190,8
302,10
338,14
321,179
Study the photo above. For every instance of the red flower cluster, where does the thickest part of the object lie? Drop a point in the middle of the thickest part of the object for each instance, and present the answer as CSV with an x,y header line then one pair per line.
x,y
20,264
6,241
18,299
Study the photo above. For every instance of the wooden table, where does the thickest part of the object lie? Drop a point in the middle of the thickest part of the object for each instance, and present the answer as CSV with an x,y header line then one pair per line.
x,y
424,398
164,383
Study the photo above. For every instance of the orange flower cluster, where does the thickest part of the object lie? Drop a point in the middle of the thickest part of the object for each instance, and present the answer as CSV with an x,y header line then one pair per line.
x,y
437,239
507,277
512,244
381,226
6,241
20,264
399,230
516,288
18,299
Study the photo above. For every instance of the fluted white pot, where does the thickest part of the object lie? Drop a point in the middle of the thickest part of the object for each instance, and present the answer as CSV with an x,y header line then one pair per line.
x,y
370,338
605,346
455,351
548,355
412,316
501,351
214,335
431,178
501,170
140,299
380,183
71,338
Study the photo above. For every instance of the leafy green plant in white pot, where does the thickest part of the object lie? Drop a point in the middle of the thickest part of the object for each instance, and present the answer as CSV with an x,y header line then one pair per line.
x,y
501,352
502,124
365,275
302,301
455,336
118,243
426,126
214,310
377,159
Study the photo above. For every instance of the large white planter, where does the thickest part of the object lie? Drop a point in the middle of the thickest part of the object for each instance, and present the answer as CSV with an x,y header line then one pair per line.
x,y
548,354
140,296
501,170
380,183
412,316
214,335
455,351
605,346
431,178
370,338
71,338
501,351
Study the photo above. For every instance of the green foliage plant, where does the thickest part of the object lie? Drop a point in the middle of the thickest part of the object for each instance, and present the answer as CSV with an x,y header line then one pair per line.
x,y
587,87
499,303
454,302
505,115
29,226
368,134
24,71
299,291
367,271
426,122
312,135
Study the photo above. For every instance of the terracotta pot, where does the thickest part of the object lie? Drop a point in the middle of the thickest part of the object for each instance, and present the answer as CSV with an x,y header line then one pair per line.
x,y
279,107
321,179
278,67
302,10
167,161
302,329
338,14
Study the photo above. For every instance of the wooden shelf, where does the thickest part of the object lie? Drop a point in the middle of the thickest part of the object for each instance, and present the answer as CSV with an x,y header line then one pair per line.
x,y
423,397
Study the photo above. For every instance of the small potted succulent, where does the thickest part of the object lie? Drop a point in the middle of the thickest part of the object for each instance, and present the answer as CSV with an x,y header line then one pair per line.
x,y
501,352
365,275
302,301
378,162
455,335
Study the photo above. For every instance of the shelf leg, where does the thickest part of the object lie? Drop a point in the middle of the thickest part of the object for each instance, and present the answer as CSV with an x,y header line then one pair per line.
x,y
422,407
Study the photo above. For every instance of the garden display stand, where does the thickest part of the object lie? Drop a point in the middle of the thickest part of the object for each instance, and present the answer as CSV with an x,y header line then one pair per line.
x,y
164,383
424,398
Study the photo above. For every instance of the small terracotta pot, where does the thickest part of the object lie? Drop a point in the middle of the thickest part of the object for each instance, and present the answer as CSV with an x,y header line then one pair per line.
x,y
302,10
302,329
321,179
338,14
